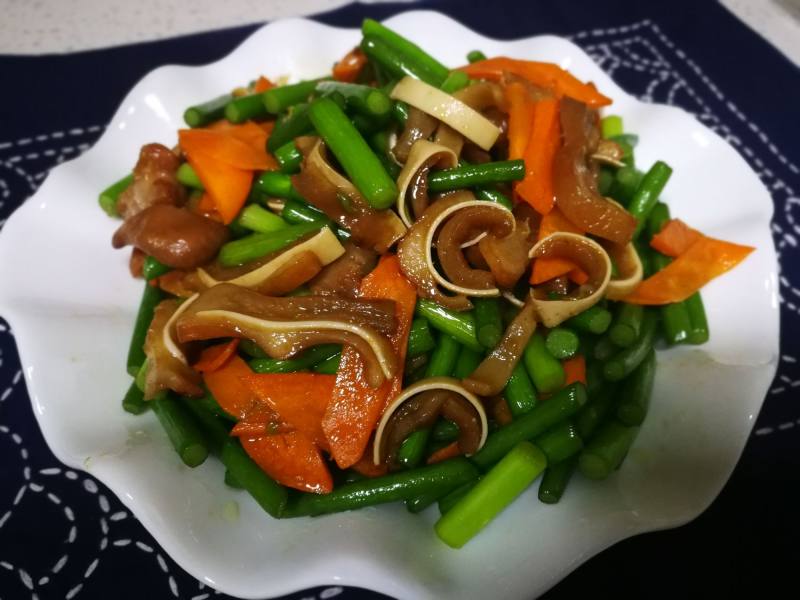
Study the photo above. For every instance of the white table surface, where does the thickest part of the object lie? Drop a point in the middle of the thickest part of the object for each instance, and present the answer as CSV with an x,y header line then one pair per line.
x,y
43,26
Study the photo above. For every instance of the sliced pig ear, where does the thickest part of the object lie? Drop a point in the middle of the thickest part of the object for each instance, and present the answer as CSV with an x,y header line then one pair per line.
x,y
590,257
629,270
422,157
427,385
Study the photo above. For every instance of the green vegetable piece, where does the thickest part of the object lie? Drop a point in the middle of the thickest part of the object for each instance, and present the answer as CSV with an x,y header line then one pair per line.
x,y
412,450
150,299
468,360
623,364
443,358
459,325
699,333
545,371
289,158
627,324
420,338
329,366
611,126
353,153
423,65
278,99
259,219
555,480
188,176
402,485
636,392
560,442
468,176
562,343
561,406
292,125
445,430
593,320
134,401
109,196
246,108
256,245
647,194
493,493
488,322
306,360
208,112
475,55
152,268
182,430
606,450
519,392
456,80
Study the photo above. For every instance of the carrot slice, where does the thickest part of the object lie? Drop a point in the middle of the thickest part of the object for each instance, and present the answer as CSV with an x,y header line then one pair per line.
x,y
262,85
356,408
214,357
299,398
704,260
520,119
235,146
366,467
675,238
350,66
226,185
229,388
575,369
537,186
547,75
555,221
291,459
450,451
545,269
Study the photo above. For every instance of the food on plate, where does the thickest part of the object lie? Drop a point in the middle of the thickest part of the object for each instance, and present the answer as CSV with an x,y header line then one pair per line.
x,y
405,282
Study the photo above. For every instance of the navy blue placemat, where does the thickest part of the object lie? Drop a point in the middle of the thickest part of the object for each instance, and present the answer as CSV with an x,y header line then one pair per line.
x,y
63,535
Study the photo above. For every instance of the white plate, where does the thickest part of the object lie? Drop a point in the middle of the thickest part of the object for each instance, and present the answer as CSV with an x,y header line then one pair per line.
x,y
71,303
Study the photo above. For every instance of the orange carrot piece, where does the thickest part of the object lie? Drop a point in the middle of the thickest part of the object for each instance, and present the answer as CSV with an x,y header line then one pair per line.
x,y
235,146
227,186
214,357
547,75
299,398
350,66
366,467
356,408
545,269
262,85
675,238
578,276
556,221
537,186
291,459
520,119
706,259
575,369
450,451
229,388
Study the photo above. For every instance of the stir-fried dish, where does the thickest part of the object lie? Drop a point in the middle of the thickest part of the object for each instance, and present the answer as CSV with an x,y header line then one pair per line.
x,y
402,282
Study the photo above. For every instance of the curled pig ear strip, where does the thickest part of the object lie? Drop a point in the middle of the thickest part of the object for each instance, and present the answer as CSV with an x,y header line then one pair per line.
x,y
433,384
508,221
323,245
629,270
413,179
451,111
590,257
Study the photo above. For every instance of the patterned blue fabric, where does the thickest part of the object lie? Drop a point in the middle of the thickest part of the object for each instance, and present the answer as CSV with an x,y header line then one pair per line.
x,y
63,535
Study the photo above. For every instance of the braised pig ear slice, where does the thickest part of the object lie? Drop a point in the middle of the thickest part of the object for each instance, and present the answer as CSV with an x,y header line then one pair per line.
x,y
629,270
286,270
590,257
167,367
155,181
413,179
282,327
419,405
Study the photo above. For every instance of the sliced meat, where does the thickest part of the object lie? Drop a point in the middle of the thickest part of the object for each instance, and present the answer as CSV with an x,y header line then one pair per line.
x,y
343,276
174,236
154,182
